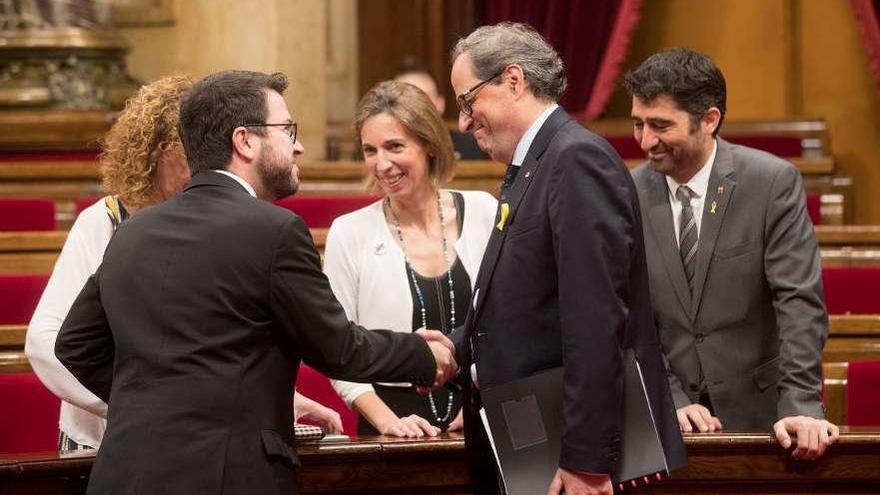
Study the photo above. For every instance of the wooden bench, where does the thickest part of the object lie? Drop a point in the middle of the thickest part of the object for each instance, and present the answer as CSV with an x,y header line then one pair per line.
x,y
36,252
724,462
65,181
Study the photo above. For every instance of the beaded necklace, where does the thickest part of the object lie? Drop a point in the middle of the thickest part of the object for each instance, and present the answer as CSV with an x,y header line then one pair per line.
x,y
421,297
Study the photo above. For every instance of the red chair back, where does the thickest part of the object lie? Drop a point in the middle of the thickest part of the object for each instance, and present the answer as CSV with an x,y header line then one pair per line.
x,y
863,393
19,295
320,211
814,208
315,386
852,289
27,214
29,415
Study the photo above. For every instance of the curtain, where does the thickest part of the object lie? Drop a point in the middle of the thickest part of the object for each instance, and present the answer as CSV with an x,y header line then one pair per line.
x,y
591,36
867,12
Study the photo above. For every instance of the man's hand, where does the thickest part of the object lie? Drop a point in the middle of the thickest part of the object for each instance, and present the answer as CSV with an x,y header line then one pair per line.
x,y
444,355
457,424
577,483
412,426
328,419
813,435
699,416
436,336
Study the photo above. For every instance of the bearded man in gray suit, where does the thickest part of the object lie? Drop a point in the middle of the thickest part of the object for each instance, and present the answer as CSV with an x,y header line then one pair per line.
x,y
733,263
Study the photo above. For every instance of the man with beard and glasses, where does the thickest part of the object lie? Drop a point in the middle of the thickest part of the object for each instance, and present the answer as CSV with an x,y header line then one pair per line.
x,y
193,328
733,262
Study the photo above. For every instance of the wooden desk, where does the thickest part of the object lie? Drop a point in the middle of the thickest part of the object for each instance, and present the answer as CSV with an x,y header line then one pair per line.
x,y
718,463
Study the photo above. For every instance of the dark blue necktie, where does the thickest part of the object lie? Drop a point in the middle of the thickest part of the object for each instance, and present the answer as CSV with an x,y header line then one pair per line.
x,y
509,176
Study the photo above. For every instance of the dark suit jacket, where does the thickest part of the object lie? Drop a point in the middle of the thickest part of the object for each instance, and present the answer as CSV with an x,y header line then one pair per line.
x,y
565,283
756,323
193,329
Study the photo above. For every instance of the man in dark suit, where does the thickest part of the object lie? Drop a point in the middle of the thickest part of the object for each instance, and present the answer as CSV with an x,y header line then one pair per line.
x,y
563,281
194,326
734,266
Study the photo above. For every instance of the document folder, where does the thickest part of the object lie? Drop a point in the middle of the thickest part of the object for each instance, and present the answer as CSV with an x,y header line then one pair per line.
x,y
525,419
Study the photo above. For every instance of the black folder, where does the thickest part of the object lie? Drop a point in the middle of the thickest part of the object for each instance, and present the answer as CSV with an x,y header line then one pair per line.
x,y
525,420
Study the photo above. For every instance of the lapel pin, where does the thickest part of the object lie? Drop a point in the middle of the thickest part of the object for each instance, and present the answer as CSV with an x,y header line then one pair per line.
x,y
720,189
528,173
505,210
712,207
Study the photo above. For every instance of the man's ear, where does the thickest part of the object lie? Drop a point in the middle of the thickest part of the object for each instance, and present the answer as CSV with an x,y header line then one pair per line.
x,y
245,143
514,80
711,120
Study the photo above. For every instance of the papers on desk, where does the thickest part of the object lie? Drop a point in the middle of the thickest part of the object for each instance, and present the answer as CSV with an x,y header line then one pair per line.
x,y
524,420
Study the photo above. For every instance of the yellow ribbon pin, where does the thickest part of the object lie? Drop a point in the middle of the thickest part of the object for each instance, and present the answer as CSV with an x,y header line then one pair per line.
x,y
505,210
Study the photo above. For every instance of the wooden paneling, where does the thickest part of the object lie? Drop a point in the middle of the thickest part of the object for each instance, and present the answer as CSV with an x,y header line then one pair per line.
x,y
392,30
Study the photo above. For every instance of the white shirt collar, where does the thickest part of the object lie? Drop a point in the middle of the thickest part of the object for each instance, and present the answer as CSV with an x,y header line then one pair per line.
x,y
247,187
699,183
525,142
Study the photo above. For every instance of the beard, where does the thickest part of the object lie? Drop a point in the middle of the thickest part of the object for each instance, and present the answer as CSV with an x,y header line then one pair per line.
x,y
277,173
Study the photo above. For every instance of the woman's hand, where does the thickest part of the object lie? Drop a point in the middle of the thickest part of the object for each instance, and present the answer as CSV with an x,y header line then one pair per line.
x,y
412,426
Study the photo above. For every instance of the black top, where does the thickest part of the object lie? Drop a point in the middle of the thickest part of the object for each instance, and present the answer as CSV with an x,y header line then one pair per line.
x,y
436,289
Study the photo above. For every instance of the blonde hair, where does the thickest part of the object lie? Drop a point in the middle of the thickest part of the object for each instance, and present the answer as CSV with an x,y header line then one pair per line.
x,y
146,128
415,111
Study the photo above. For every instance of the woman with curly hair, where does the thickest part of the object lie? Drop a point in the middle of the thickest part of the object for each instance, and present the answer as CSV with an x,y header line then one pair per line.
x,y
142,164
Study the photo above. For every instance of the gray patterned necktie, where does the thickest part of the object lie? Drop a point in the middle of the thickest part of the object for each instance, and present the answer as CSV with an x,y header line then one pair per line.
x,y
687,244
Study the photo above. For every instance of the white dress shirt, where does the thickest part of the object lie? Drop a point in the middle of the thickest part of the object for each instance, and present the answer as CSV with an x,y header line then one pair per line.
x,y
699,184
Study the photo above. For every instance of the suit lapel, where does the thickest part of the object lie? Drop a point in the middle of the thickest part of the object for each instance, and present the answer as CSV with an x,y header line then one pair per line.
x,y
721,185
514,198
660,216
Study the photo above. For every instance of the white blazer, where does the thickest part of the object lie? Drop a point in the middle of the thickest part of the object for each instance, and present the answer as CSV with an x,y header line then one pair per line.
x,y
367,271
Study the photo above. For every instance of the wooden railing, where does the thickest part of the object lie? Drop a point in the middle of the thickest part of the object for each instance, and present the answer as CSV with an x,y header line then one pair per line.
x,y
726,462
36,252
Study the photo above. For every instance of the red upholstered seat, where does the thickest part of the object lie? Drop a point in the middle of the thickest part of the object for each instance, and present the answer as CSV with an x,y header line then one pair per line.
x,y
852,289
814,208
316,386
863,393
319,211
19,295
83,203
29,415
27,214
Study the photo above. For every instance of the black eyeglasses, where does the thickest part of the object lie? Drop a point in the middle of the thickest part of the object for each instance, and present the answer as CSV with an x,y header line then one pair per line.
x,y
289,128
465,101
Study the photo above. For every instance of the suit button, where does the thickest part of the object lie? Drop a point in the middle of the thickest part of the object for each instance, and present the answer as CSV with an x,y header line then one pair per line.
x,y
700,337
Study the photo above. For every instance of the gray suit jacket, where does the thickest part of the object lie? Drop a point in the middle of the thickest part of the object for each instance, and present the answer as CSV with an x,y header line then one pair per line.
x,y
756,322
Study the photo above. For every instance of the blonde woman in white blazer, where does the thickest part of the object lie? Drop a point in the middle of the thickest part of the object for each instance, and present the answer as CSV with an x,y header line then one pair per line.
x,y
409,260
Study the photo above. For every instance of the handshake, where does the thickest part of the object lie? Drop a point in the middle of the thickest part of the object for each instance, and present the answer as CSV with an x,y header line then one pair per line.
x,y
444,355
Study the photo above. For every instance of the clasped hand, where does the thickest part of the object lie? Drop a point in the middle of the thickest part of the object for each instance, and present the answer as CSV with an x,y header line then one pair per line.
x,y
444,355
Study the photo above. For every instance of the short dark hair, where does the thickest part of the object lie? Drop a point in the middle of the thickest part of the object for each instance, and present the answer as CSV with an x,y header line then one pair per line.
x,y
218,104
412,65
690,78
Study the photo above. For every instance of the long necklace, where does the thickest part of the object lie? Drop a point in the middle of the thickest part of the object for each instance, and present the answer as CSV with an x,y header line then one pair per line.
x,y
421,297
